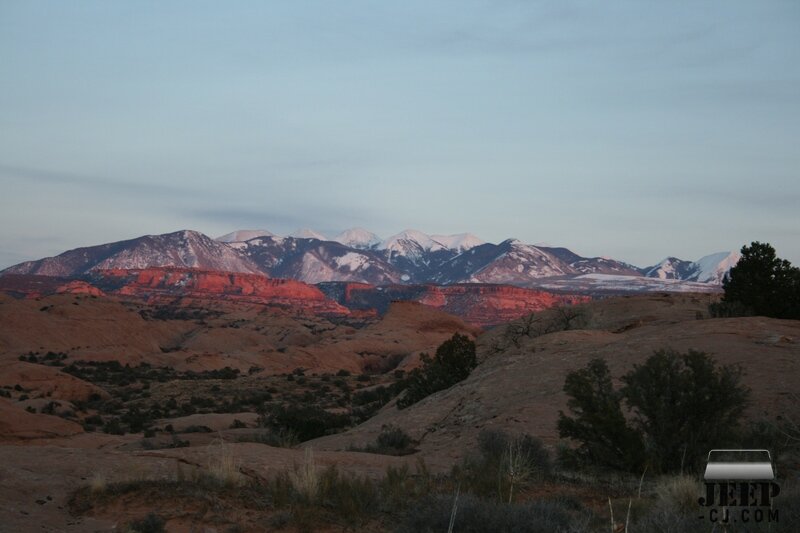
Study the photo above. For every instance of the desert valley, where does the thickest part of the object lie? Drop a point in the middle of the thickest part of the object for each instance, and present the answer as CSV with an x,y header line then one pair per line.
x,y
170,393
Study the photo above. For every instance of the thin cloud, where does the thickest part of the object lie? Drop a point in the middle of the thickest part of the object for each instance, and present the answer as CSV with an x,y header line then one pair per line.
x,y
783,200
50,177
324,219
238,218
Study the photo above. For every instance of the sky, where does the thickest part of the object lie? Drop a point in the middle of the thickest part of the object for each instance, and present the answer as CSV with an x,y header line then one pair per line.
x,y
635,130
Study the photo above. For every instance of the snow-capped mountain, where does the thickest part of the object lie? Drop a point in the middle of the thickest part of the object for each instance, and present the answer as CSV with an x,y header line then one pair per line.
x,y
709,269
307,233
314,261
244,235
590,265
358,238
712,268
460,242
358,255
410,242
517,263
414,253
670,268
181,249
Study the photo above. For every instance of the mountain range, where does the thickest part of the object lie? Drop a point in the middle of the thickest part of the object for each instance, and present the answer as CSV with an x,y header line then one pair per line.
x,y
358,255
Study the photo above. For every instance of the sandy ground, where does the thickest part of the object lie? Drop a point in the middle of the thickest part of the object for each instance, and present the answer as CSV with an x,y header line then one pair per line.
x,y
44,458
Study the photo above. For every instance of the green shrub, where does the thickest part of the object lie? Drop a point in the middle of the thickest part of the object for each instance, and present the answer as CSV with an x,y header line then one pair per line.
x,y
391,441
729,310
393,438
598,424
277,438
503,465
113,427
682,405
454,360
763,284
197,429
305,421
151,523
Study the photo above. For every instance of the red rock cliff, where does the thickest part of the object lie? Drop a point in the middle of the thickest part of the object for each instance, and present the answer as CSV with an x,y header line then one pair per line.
x,y
155,284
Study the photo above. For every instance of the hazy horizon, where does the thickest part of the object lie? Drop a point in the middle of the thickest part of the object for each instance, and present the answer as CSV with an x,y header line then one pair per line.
x,y
629,130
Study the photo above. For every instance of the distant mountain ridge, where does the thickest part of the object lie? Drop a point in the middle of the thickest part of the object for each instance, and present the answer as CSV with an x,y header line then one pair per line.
x,y
183,248
709,269
358,255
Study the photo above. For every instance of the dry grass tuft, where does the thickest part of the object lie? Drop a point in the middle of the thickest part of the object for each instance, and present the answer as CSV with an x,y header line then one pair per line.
x,y
677,492
305,478
223,466
98,483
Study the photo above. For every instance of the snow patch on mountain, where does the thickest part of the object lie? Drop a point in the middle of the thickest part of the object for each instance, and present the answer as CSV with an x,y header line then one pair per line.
x,y
519,264
353,261
183,248
619,283
410,239
307,233
411,246
712,268
244,235
709,269
314,270
664,270
670,268
459,242
358,238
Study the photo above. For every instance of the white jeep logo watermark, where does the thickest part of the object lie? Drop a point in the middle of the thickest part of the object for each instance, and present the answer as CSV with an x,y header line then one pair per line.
x,y
740,487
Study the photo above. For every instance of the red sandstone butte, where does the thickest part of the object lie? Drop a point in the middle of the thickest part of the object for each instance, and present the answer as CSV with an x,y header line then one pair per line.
x,y
488,305
35,286
79,287
479,304
156,284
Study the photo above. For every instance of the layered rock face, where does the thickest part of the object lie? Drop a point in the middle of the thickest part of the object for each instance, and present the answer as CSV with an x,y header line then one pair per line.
x,y
166,284
479,304
32,286
490,305
483,305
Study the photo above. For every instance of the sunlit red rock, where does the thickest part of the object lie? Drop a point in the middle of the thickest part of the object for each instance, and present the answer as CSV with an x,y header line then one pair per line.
x,y
479,304
165,284
79,287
